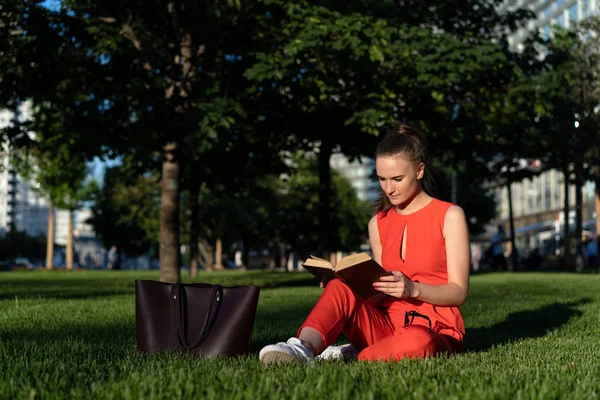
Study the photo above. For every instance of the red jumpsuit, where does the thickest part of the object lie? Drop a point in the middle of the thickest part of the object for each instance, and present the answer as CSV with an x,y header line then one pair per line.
x,y
398,328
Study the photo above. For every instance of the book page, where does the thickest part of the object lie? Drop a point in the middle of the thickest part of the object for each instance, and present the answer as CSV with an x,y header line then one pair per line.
x,y
317,262
322,272
351,260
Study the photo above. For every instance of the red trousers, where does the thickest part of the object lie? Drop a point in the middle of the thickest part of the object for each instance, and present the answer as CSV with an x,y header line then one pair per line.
x,y
379,334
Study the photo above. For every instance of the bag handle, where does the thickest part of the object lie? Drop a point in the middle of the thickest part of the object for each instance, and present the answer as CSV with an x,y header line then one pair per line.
x,y
177,305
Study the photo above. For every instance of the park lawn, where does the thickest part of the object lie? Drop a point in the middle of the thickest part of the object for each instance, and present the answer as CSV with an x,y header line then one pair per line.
x,y
72,335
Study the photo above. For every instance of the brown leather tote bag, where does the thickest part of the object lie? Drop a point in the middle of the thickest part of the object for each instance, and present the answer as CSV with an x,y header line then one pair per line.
x,y
200,319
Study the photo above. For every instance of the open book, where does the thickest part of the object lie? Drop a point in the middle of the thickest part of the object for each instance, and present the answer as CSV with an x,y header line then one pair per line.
x,y
358,271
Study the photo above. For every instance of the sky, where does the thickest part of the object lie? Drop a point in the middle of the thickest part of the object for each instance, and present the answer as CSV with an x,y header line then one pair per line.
x,y
52,4
98,166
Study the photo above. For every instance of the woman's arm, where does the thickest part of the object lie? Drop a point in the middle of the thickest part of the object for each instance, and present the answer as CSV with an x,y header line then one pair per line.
x,y
454,293
374,240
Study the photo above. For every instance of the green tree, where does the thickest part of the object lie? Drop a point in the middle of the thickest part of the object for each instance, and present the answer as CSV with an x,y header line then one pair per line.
x,y
320,77
19,244
126,210
298,211
227,179
138,78
48,159
339,78
567,114
150,78
62,180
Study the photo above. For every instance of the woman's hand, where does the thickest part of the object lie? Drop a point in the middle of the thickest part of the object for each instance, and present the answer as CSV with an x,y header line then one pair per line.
x,y
324,283
396,285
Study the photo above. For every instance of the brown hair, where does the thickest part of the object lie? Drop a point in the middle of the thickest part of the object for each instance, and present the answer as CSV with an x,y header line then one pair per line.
x,y
408,141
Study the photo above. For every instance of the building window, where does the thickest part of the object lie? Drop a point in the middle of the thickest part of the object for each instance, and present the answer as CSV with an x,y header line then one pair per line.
x,y
586,8
505,200
547,191
573,13
590,188
560,20
557,190
530,195
538,194
546,12
546,32
521,198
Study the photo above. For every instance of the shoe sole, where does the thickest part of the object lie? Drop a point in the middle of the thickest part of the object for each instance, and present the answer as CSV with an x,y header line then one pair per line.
x,y
276,357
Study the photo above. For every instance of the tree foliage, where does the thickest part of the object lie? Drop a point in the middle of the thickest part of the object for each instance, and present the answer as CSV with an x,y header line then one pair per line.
x,y
126,210
297,215
183,87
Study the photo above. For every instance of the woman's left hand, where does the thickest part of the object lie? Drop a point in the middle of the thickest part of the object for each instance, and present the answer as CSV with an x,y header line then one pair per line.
x,y
396,285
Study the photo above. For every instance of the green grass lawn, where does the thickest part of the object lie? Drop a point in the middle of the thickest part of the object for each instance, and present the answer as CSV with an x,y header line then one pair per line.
x,y
72,335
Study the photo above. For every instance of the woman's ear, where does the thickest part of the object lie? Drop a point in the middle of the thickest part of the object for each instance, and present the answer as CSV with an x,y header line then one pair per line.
x,y
420,171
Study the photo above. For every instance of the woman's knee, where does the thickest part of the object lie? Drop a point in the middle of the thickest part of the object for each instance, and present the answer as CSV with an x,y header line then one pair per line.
x,y
337,285
419,341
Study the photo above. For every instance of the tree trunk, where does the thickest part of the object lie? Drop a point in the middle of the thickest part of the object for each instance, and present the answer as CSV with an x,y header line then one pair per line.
x,y
70,242
278,255
50,237
206,254
290,260
219,254
169,214
597,209
246,250
194,263
195,224
514,254
325,230
566,256
579,261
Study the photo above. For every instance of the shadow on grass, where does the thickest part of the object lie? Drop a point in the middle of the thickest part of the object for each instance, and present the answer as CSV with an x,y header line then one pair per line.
x,y
523,325
111,341
282,322
64,289
120,336
74,287
65,294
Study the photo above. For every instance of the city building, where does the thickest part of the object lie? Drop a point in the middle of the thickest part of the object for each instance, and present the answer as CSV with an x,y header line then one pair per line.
x,y
538,210
360,174
563,13
24,209
538,202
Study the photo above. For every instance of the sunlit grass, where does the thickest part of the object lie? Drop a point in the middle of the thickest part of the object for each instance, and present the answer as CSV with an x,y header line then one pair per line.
x,y
72,335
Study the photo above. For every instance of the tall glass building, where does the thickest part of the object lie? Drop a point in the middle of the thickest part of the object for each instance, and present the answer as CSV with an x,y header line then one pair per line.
x,y
549,12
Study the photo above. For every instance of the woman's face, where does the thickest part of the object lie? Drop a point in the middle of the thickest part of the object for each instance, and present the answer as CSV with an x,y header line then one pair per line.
x,y
399,178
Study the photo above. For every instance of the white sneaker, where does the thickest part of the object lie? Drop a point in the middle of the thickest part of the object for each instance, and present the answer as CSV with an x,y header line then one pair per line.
x,y
345,352
282,353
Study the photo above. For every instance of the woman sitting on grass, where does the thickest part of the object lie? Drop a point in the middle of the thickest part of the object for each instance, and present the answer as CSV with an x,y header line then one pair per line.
x,y
424,243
